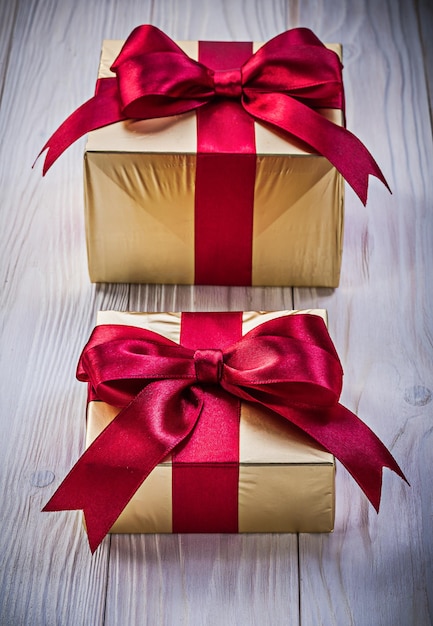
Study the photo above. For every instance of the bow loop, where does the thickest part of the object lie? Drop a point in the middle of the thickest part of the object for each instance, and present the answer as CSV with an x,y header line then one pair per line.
x,y
272,70
139,359
143,40
284,370
162,83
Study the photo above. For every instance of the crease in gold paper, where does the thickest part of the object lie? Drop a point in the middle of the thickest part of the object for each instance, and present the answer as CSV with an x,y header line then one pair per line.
x,y
141,232
286,480
139,200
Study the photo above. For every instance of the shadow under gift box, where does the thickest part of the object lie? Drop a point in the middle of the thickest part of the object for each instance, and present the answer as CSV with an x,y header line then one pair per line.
x,y
286,480
139,199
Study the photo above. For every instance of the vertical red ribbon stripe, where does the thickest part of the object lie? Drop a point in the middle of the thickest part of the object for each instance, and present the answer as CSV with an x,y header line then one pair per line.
x,y
225,179
206,468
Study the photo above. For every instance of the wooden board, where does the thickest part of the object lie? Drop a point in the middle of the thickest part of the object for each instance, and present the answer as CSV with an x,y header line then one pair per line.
x,y
379,567
372,569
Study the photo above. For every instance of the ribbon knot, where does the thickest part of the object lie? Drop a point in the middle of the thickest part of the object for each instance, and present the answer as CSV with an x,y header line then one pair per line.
x,y
228,83
208,366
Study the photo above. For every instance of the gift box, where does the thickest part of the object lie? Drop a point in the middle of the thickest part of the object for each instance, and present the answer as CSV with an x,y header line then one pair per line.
x,y
215,422
286,480
226,170
144,224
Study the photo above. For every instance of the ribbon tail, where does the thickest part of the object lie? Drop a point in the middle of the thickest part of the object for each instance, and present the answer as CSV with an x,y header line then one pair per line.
x,y
354,444
115,465
101,110
363,454
101,493
341,433
343,149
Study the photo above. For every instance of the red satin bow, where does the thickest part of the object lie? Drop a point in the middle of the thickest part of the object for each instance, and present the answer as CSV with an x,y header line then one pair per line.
x,y
288,365
281,85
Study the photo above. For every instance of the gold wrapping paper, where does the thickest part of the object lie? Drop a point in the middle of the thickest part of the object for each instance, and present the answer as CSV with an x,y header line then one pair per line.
x,y
286,481
139,199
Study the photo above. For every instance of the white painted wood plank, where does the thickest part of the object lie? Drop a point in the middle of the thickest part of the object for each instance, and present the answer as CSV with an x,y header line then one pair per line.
x,y
377,569
425,25
203,579
224,20
208,298
7,21
47,308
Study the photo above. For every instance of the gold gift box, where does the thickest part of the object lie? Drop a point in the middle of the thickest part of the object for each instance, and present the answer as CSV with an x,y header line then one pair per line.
x,y
286,480
139,199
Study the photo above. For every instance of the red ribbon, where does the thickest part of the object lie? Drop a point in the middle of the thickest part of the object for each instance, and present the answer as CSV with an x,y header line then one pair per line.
x,y
288,365
225,178
280,85
205,469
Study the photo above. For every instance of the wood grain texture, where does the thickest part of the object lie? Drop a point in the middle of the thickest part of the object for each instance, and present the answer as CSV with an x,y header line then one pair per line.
x,y
48,306
7,21
203,579
425,25
381,320
372,569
